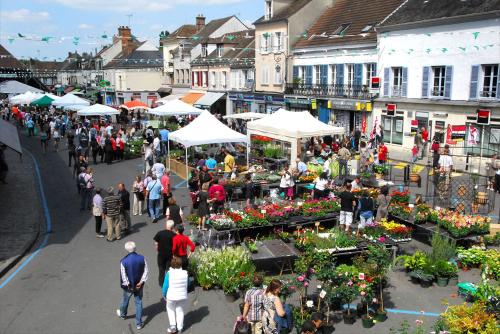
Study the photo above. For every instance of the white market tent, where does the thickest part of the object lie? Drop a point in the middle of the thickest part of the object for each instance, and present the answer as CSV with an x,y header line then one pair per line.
x,y
12,87
170,97
175,108
291,126
246,116
70,100
97,110
206,129
25,98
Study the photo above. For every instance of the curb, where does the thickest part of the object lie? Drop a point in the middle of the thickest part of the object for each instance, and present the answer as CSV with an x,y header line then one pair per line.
x,y
13,261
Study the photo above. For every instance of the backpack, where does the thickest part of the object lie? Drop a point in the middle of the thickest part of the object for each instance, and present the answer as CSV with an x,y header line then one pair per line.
x,y
82,184
84,139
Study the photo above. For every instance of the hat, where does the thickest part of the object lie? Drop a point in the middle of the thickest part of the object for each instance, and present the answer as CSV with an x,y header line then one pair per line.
x,y
145,142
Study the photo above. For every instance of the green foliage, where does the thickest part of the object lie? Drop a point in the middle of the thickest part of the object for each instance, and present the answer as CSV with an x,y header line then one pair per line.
x,y
413,262
445,269
272,151
492,240
470,319
443,249
421,275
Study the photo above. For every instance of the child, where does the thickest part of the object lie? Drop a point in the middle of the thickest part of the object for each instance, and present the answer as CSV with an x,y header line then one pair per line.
x,y
414,152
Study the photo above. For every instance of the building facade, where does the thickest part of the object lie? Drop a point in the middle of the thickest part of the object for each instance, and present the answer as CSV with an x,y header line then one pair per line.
x,y
438,73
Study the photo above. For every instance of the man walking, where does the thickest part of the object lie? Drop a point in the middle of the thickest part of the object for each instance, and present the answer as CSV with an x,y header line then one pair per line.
x,y
111,206
164,141
344,156
163,242
165,193
133,275
86,182
153,192
125,222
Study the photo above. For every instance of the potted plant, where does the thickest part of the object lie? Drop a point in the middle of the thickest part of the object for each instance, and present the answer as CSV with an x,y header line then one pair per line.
x,y
366,293
380,258
444,270
347,293
415,175
413,262
251,245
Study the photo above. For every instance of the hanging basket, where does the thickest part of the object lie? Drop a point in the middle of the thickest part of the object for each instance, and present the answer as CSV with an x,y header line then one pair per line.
x,y
482,198
462,190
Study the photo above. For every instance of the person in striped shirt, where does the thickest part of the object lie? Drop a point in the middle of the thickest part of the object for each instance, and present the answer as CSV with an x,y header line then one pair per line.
x,y
111,207
252,311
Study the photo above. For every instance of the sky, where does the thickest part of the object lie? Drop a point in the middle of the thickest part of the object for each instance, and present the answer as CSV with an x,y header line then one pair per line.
x,y
50,29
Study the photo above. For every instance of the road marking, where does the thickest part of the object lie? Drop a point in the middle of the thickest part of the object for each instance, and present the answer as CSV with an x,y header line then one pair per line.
x,y
48,221
429,314
180,184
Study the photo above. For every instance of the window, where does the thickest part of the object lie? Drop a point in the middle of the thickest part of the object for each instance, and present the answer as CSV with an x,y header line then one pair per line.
x,y
368,27
278,41
204,78
393,129
195,78
317,74
302,74
269,9
350,75
397,81
204,50
220,50
265,75
177,76
370,73
342,29
277,77
332,78
490,81
224,79
264,42
439,75
212,79
187,76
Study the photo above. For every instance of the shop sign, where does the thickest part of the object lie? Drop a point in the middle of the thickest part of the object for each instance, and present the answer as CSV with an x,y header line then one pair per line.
x,y
483,116
313,105
344,104
298,101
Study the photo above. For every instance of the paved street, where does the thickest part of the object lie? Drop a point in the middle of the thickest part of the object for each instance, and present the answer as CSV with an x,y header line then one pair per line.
x,y
72,285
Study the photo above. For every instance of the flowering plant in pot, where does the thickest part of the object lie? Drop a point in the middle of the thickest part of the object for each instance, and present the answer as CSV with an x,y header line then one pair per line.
x,y
380,259
347,293
366,292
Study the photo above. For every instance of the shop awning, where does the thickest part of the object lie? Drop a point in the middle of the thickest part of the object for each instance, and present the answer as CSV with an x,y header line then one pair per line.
x,y
9,136
208,99
191,98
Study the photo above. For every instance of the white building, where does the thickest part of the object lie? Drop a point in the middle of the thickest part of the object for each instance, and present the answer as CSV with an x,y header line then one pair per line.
x,y
440,64
334,62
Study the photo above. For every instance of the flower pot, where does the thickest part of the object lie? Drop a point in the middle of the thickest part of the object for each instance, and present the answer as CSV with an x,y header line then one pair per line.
x,y
414,280
381,316
349,319
367,322
379,176
453,281
425,284
414,177
442,281
231,297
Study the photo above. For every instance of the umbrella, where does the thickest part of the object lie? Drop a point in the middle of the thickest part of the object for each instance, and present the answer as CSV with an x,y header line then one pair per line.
x,y
135,104
43,101
97,110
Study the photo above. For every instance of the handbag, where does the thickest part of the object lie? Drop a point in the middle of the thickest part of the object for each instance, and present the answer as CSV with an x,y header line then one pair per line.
x,y
241,326
140,195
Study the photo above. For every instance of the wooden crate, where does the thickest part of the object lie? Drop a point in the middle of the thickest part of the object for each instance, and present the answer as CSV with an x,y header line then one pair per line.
x,y
494,228
179,168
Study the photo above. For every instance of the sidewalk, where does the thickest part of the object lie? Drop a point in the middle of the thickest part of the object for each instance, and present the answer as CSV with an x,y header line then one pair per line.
x,y
20,211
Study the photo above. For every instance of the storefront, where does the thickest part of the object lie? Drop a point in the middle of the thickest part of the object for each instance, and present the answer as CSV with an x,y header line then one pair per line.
x,y
350,114
298,104
266,104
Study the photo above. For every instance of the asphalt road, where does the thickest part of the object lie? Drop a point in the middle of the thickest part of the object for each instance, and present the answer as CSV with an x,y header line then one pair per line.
x,y
72,284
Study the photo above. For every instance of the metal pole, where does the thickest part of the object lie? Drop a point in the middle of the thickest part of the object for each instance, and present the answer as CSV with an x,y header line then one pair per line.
x,y
187,168
248,155
168,153
481,149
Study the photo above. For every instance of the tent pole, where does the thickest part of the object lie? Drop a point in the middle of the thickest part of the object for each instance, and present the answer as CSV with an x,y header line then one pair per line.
x,y
187,168
168,153
248,155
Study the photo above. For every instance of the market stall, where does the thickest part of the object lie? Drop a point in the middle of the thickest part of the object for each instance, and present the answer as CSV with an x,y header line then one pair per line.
x,y
175,108
70,100
290,127
97,110
12,87
205,129
25,98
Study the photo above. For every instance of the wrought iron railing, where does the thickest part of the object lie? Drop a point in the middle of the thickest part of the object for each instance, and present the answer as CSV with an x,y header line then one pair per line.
x,y
346,91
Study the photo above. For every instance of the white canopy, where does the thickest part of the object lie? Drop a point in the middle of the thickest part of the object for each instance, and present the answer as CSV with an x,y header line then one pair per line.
x,y
170,97
293,124
175,108
70,100
97,110
206,129
25,98
16,87
246,116
9,136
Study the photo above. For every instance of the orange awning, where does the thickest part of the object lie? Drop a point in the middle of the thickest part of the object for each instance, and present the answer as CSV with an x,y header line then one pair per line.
x,y
191,98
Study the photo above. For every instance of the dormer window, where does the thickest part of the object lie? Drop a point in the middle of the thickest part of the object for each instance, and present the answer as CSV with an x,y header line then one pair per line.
x,y
368,27
220,50
342,29
204,50
269,9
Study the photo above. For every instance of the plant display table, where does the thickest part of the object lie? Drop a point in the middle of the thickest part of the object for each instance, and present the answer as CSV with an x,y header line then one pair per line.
x,y
277,252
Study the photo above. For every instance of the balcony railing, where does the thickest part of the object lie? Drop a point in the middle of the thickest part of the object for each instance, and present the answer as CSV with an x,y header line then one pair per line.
x,y
346,91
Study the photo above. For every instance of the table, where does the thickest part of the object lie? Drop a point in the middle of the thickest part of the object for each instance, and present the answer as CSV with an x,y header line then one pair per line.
x,y
280,253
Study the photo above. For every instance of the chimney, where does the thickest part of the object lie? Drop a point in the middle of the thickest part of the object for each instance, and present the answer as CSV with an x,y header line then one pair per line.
x,y
125,36
200,22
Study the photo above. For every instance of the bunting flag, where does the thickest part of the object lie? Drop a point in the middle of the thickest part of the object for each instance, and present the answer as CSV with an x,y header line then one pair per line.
x,y
473,137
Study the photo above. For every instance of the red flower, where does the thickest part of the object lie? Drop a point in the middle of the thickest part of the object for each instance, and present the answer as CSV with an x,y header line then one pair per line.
x,y
242,274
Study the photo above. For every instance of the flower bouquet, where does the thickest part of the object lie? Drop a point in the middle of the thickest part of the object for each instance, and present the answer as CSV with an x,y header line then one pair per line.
x,y
220,222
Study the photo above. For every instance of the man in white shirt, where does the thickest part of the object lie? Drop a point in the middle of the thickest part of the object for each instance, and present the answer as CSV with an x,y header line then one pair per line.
x,y
158,169
356,183
445,164
156,147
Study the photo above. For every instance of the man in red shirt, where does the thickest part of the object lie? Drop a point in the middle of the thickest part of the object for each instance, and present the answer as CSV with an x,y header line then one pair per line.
x,y
166,192
425,140
180,244
217,193
382,153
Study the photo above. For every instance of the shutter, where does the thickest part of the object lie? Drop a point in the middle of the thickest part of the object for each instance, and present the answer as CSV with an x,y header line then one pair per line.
x,y
474,78
358,74
200,78
340,74
374,69
309,75
447,82
498,83
324,74
425,81
387,80
295,73
261,46
274,42
206,79
404,82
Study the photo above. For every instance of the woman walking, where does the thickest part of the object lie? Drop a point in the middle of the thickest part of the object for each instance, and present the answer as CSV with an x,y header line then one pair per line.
x,y
203,210
138,189
174,291
97,212
320,185
383,201
272,306
174,212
